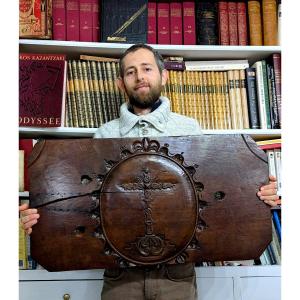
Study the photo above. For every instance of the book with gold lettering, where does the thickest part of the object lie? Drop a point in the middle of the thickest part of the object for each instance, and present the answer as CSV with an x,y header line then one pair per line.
x,y
42,85
124,21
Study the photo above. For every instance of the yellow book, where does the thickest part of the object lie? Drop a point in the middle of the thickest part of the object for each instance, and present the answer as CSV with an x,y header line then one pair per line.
x,y
71,92
232,100
226,100
198,101
244,99
238,97
181,92
219,106
21,170
22,248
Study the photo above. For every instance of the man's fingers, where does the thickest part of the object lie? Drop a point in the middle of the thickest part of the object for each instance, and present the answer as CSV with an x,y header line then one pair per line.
x,y
267,192
272,178
25,219
29,224
28,231
270,198
23,206
28,212
273,202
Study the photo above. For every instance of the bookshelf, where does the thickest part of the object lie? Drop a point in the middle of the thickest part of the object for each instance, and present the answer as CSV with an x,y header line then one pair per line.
x,y
232,283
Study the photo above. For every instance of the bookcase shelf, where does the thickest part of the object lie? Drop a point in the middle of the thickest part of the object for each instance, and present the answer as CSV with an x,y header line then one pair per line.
x,y
189,52
70,132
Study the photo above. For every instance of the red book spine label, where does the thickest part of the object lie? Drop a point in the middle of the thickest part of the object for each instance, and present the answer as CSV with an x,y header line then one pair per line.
x,y
223,23
152,32
86,21
72,20
163,23
59,20
189,26
242,23
96,21
176,23
233,29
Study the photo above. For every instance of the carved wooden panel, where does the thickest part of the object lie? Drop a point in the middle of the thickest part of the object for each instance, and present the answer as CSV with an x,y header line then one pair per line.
x,y
134,201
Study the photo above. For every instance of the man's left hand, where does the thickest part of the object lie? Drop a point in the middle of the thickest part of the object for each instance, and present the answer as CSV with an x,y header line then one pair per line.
x,y
268,193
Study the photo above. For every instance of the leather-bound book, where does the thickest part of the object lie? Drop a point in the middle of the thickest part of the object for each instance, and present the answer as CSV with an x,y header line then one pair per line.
x,y
124,21
59,20
163,22
270,27
233,23
72,13
255,25
96,21
152,27
242,23
189,23
176,23
223,23
86,20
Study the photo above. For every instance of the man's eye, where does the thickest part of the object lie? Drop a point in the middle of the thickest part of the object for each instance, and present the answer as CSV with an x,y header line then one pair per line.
x,y
129,73
148,69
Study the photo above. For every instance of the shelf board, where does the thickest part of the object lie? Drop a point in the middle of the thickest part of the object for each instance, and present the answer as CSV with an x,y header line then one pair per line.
x,y
191,52
71,132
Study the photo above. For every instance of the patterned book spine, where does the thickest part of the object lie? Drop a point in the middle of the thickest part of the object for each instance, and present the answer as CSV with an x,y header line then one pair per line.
x,y
192,83
196,86
223,23
176,23
68,118
109,96
92,93
244,99
172,90
104,101
121,98
78,96
233,23
86,20
270,27
72,95
181,92
276,57
208,108
232,100
255,26
163,23
59,20
202,100
227,100
237,85
84,94
95,21
207,23
189,23
224,116
252,98
186,100
215,100
72,16
96,90
113,97
242,23
152,28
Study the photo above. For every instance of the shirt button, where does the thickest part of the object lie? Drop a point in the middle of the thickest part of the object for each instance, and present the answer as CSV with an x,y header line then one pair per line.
x,y
144,131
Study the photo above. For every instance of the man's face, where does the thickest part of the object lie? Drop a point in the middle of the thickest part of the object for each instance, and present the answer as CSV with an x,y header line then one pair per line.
x,y
142,80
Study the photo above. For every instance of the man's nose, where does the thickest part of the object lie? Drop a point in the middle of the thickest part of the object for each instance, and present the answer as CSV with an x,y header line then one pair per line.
x,y
139,75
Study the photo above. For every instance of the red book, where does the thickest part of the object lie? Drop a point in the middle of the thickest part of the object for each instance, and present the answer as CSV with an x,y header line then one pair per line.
x,y
223,23
59,20
42,87
163,23
96,21
176,23
242,23
232,21
270,146
189,23
27,146
86,21
151,36
72,14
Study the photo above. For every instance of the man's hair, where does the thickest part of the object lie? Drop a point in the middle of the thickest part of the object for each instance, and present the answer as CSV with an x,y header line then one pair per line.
x,y
158,58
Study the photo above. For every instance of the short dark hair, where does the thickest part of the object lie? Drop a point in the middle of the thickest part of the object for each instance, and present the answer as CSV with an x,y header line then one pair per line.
x,y
158,58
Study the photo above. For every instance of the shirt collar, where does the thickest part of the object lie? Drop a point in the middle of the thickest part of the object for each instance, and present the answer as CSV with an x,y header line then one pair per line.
x,y
157,118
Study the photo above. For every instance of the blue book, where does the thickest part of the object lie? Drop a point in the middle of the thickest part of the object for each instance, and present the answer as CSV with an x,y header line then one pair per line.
x,y
277,223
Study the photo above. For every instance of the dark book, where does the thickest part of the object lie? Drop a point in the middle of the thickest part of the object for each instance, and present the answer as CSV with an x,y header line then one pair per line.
x,y
252,98
42,82
272,97
207,23
175,65
124,21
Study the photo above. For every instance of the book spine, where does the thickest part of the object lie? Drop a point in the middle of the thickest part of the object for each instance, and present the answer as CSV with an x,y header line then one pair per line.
x,y
279,21
69,116
277,223
233,23
174,65
233,100
189,24
238,97
152,28
163,23
244,99
223,23
72,16
21,170
242,23
227,100
85,21
208,105
266,93
277,153
276,57
104,101
269,13
113,98
59,20
271,162
255,25
176,23
96,21
252,98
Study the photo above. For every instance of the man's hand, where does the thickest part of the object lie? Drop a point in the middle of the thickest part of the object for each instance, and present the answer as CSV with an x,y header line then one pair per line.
x,y
28,217
268,193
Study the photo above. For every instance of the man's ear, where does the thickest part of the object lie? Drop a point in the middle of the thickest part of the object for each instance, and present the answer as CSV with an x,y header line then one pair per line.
x,y
164,77
120,84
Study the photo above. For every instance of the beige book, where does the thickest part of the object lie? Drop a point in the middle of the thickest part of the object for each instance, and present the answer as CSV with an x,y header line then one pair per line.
x,y
198,99
23,262
203,111
72,96
21,170
237,87
211,100
209,124
219,105
227,101
180,92
232,100
97,58
244,99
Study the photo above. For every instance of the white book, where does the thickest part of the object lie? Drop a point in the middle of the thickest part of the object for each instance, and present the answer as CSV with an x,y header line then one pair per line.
x,y
271,162
260,91
216,65
277,153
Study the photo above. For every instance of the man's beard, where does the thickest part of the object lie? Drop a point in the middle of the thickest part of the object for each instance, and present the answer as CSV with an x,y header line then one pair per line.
x,y
147,100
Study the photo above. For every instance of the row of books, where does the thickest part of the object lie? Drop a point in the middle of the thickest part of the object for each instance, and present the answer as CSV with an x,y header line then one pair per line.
x,y
83,93
155,22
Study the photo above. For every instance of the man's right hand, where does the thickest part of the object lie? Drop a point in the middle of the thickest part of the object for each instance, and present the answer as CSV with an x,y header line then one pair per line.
x,y
28,217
